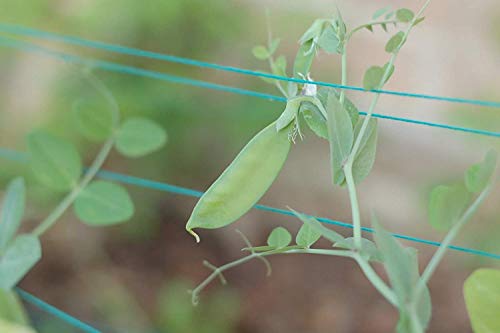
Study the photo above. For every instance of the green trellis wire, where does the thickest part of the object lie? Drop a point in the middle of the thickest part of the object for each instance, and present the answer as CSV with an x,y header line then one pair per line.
x,y
13,155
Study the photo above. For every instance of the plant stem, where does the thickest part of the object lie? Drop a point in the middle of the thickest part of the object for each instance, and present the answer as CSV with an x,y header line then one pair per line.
x,y
440,252
94,167
375,279
361,27
344,74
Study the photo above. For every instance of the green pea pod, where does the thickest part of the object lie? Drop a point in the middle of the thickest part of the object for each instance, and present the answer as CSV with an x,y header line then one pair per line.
x,y
243,182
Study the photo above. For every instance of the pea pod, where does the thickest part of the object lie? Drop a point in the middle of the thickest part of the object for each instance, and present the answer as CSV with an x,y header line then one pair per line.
x,y
243,182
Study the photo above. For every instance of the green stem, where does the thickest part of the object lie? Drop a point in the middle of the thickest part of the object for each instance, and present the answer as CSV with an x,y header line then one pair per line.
x,y
440,252
94,167
344,74
375,279
361,27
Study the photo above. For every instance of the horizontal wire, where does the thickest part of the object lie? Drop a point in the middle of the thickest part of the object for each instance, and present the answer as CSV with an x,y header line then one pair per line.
x,y
165,187
115,67
75,322
25,31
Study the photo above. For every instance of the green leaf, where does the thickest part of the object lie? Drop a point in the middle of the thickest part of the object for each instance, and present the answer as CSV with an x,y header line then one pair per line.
x,y
389,15
327,233
396,262
384,26
303,59
380,12
341,137
404,15
372,78
369,28
314,119
391,71
274,46
446,205
368,249
55,163
279,238
417,21
9,327
260,52
11,308
307,236
12,211
18,259
94,122
289,114
349,106
482,297
279,66
103,203
313,32
328,40
140,136
365,158
395,42
479,175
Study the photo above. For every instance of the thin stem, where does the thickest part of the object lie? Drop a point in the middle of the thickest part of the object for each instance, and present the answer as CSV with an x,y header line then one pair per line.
x,y
363,26
344,74
375,279
440,252
94,167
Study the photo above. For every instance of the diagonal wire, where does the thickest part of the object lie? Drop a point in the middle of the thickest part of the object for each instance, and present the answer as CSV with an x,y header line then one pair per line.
x,y
115,67
75,322
25,31
165,187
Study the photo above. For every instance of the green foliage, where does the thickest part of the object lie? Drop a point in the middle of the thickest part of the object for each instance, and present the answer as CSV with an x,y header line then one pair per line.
x,y
12,211
365,158
103,203
279,238
328,40
395,42
22,254
482,297
303,59
11,308
254,170
368,249
404,15
319,228
373,77
380,12
95,123
478,176
307,236
55,162
9,327
289,115
137,137
260,52
446,205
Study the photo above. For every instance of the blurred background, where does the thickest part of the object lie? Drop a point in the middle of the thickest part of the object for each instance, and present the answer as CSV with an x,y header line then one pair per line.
x,y
134,277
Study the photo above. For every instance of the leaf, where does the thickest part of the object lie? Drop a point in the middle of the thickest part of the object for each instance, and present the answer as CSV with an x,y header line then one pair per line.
x,y
404,15
391,71
289,114
279,238
369,28
12,211
140,136
380,12
372,78
313,32
279,66
19,257
329,234
314,119
274,46
389,15
260,52
303,59
328,40
479,175
396,262
365,158
348,104
340,135
446,205
384,26
482,298
307,236
8,327
103,203
368,249
95,123
55,163
11,307
292,89
395,42
417,21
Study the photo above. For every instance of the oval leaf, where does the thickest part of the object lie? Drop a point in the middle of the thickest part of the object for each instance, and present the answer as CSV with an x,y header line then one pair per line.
x,y
140,136
18,259
404,15
260,52
372,78
55,163
94,122
365,158
12,211
243,182
307,236
303,59
103,203
279,238
395,42
327,233
446,205
482,297
328,40
478,176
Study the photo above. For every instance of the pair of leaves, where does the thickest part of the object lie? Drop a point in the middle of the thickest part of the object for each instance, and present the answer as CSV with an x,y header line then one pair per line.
x,y
401,265
448,202
373,76
17,253
136,137
482,298
262,53
402,15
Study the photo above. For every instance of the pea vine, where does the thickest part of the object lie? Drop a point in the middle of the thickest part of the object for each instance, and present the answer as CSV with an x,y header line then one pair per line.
x,y
56,165
331,115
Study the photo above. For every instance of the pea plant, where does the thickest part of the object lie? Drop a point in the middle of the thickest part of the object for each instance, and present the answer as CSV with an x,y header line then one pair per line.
x,y
331,115
56,165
